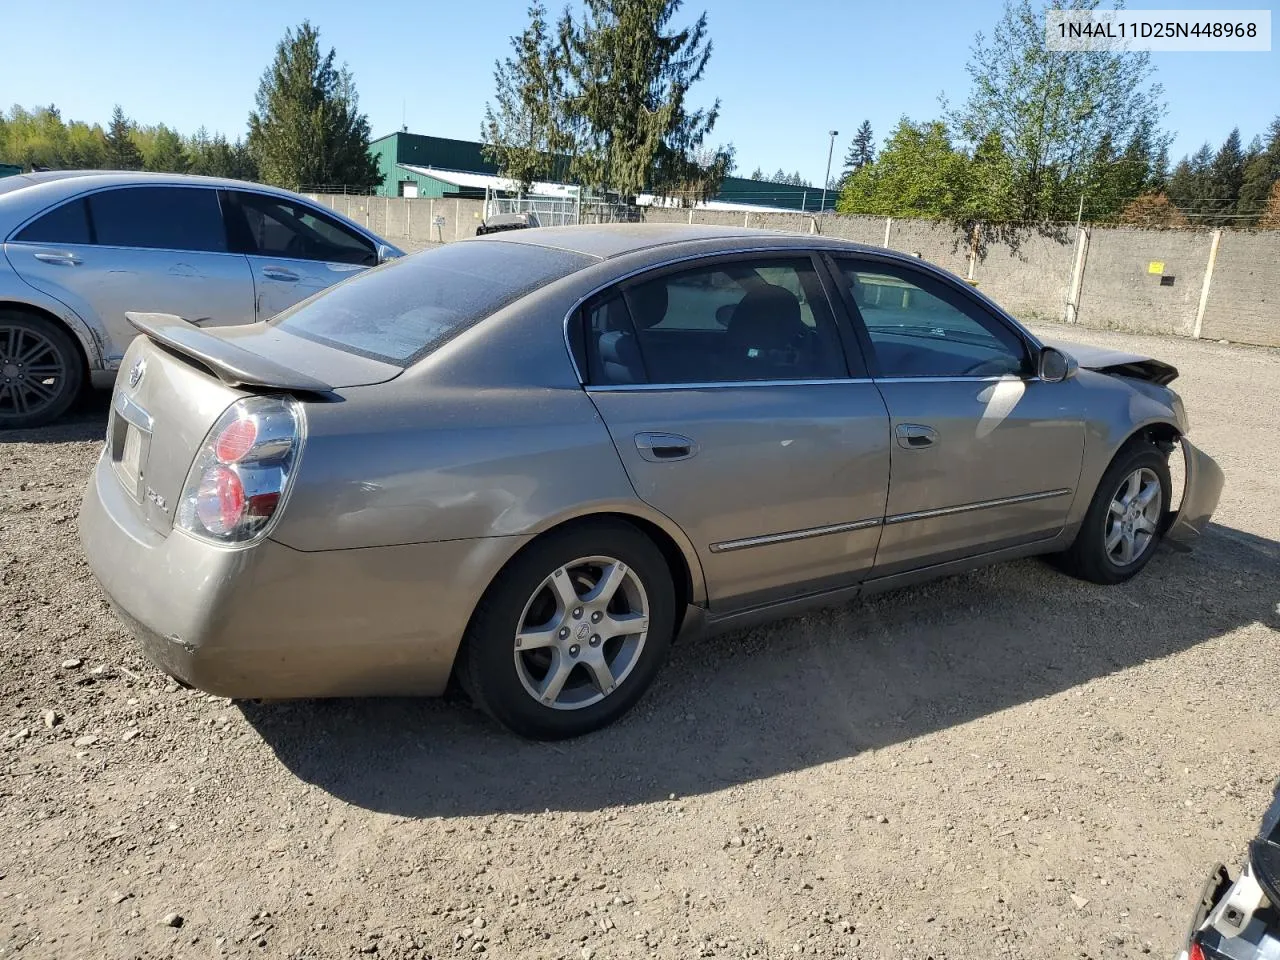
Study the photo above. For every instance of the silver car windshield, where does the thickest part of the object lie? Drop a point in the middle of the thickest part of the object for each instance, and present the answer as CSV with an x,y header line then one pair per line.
x,y
402,311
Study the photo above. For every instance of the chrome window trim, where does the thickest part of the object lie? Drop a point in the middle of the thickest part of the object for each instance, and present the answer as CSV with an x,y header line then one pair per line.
x,y
1008,378
829,249
977,505
790,536
720,384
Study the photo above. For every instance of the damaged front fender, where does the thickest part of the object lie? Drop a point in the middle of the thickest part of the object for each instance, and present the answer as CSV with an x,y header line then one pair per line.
x,y
1201,492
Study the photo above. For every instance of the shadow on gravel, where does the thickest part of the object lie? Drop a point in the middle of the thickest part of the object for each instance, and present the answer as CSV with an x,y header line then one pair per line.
x,y
87,420
796,694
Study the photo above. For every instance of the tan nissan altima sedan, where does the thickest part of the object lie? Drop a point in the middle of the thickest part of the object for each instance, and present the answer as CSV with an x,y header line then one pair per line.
x,y
533,459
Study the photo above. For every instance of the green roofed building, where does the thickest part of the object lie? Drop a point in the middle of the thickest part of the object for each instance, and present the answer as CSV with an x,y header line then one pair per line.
x,y
414,165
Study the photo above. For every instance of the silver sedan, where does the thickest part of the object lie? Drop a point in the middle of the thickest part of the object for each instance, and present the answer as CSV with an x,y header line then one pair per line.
x,y
532,460
79,248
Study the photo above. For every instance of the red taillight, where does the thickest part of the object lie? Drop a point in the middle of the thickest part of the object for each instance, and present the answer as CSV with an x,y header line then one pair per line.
x,y
235,441
220,500
1196,952
242,473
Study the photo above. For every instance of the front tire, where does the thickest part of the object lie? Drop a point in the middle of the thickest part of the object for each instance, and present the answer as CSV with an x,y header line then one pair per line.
x,y
572,632
40,371
1125,519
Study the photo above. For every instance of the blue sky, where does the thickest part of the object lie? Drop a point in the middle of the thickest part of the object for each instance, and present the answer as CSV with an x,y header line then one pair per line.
x,y
785,73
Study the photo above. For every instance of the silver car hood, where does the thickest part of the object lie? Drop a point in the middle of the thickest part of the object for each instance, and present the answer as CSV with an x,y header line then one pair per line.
x,y
1118,362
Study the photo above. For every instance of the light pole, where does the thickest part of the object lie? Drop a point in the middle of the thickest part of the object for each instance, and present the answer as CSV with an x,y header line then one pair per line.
x,y
827,179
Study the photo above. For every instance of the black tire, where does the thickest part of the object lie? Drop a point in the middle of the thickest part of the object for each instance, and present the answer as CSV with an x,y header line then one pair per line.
x,y
1088,558
31,342
487,662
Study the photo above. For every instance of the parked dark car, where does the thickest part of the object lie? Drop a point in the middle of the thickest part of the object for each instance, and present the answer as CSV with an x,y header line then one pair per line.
x,y
1240,920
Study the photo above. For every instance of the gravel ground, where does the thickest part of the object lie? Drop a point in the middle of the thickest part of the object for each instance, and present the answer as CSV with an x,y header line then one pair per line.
x,y
1007,763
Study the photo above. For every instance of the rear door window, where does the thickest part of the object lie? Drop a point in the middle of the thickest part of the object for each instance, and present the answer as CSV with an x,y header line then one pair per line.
x,y
68,223
278,227
159,218
403,310
725,322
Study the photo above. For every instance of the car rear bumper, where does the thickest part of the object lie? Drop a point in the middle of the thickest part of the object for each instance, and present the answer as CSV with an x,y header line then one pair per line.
x,y
273,622
1201,491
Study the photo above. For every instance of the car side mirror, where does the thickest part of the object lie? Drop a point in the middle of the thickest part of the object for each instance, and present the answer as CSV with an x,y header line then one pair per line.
x,y
1056,366
387,252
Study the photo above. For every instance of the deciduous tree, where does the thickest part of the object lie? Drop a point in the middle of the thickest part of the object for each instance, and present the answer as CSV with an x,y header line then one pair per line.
x,y
1053,110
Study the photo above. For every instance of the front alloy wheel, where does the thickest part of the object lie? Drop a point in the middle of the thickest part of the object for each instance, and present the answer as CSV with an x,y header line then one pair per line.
x,y
1133,519
1125,519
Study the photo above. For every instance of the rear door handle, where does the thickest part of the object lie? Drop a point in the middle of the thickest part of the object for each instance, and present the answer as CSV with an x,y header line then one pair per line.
x,y
278,273
59,259
915,436
661,447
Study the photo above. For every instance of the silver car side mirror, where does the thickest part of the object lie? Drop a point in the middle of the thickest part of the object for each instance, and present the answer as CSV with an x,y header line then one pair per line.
x,y
1056,366
387,252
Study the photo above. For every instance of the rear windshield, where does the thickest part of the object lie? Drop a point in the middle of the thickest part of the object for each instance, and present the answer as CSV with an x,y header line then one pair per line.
x,y
404,310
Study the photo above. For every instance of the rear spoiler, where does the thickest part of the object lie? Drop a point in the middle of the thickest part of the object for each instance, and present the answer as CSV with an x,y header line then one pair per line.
x,y
231,364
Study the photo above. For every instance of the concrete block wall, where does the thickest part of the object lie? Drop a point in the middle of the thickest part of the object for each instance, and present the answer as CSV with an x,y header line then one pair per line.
x,y
1119,291
1244,297
1031,277
401,218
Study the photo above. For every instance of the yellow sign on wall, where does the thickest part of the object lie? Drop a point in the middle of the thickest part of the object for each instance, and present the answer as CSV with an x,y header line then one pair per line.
x,y
1155,266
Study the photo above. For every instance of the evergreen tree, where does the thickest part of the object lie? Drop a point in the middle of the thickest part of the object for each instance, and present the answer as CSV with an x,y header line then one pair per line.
x,y
1159,180
162,150
525,129
780,177
308,129
120,152
1190,184
862,150
757,174
1261,173
630,74
1226,175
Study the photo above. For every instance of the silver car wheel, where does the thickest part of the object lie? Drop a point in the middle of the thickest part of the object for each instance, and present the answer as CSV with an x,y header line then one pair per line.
x,y
32,371
1133,518
581,633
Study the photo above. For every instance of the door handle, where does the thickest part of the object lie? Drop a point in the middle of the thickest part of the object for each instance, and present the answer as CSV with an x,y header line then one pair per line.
x,y
277,273
661,447
915,436
59,259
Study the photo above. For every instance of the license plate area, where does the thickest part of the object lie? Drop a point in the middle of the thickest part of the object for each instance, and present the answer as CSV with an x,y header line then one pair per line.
x,y
129,443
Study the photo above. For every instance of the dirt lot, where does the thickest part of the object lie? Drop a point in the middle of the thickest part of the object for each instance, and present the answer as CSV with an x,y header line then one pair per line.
x,y
1009,763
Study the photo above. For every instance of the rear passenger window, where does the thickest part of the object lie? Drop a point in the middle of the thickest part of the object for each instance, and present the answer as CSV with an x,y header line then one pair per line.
x,y
68,223
728,322
163,218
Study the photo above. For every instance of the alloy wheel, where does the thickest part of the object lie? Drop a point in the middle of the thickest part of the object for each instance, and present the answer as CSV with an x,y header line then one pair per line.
x,y
1133,517
32,371
581,633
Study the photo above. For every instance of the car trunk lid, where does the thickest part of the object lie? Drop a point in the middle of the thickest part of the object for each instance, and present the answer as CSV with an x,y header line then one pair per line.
x,y
264,356
177,379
